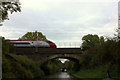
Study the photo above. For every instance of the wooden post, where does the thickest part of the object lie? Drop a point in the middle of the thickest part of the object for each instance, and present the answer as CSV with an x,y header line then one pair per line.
x,y
108,74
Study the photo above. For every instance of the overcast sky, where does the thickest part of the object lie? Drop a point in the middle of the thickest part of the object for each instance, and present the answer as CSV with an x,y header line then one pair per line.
x,y
63,20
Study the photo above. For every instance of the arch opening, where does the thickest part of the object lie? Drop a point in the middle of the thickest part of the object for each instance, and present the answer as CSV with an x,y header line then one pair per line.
x,y
65,66
72,57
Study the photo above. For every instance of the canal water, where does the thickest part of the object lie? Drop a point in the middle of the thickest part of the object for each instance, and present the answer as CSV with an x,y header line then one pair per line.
x,y
66,76
60,76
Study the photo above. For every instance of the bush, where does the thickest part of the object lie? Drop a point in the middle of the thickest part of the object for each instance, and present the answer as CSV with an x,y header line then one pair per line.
x,y
52,66
105,55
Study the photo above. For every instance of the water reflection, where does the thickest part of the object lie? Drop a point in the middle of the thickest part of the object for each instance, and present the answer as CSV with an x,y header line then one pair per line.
x,y
60,76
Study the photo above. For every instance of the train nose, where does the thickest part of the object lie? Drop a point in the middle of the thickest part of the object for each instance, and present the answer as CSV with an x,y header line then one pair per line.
x,y
53,46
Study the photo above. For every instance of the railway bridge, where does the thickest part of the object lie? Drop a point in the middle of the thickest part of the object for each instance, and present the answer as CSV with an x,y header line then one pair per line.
x,y
45,54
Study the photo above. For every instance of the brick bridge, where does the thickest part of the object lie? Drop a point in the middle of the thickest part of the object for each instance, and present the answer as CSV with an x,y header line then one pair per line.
x,y
45,54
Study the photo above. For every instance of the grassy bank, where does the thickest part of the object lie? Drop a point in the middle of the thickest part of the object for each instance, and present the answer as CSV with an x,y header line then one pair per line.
x,y
15,66
88,73
19,66
93,73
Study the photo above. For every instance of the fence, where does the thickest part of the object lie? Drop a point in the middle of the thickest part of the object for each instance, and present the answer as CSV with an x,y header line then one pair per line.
x,y
68,44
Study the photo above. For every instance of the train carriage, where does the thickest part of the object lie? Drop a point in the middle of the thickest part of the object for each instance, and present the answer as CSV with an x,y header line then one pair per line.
x,y
33,43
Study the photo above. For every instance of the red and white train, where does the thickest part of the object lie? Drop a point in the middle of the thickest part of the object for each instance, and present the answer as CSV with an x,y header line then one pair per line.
x,y
33,43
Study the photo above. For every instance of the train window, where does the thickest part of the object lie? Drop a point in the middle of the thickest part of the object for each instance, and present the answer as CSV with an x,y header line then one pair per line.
x,y
49,42
21,43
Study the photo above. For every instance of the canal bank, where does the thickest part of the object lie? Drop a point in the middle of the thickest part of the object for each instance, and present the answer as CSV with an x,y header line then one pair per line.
x,y
90,75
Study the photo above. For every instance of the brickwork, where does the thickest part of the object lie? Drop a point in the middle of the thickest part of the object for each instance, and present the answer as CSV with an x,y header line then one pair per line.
x,y
45,54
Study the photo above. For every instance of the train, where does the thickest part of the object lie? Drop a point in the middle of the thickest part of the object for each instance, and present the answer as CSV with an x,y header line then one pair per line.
x,y
33,43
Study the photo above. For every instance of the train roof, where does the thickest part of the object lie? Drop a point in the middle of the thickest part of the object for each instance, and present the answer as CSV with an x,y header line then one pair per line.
x,y
32,40
28,40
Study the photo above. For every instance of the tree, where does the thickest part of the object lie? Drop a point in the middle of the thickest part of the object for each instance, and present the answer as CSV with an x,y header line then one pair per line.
x,y
8,6
101,39
117,35
32,36
89,41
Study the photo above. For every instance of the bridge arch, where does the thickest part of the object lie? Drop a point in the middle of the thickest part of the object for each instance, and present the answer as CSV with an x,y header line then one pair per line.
x,y
72,57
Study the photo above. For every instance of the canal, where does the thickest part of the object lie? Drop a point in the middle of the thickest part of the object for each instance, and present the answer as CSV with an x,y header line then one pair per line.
x,y
60,76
